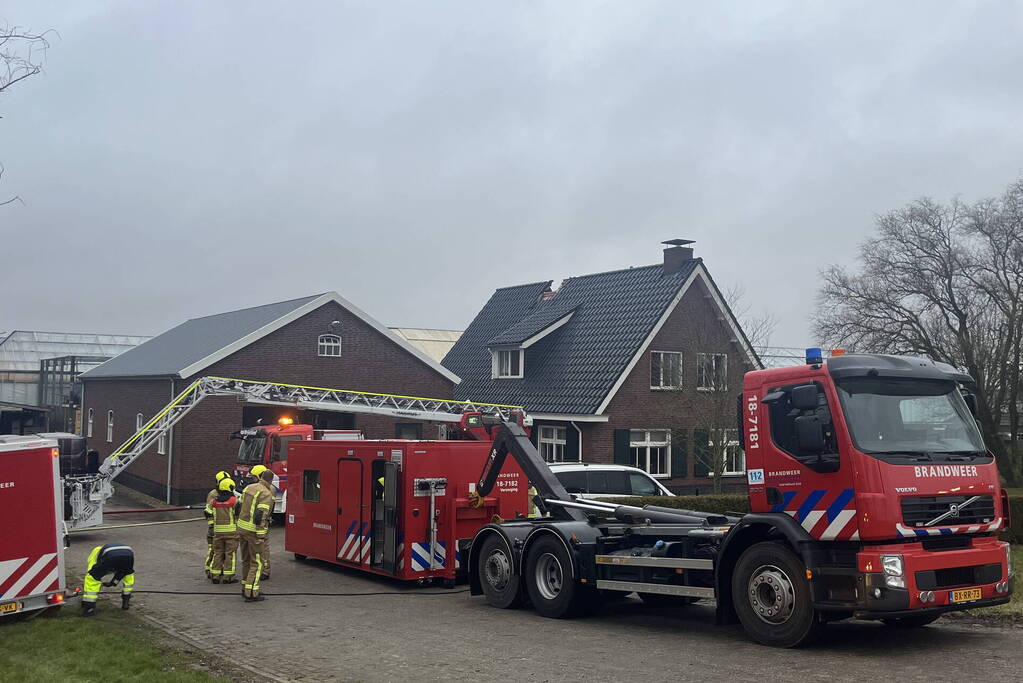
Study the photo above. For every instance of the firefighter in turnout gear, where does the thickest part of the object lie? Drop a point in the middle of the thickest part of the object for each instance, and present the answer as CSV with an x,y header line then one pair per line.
x,y
210,497
225,533
115,560
253,523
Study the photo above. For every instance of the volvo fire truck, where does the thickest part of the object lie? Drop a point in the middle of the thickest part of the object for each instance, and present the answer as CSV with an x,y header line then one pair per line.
x,y
32,536
871,493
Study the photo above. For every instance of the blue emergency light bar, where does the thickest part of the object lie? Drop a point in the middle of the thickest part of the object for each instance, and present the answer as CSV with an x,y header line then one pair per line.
x,y
814,356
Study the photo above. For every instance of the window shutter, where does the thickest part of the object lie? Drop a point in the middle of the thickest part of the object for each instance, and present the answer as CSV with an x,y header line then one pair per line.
x,y
622,456
572,444
679,459
701,447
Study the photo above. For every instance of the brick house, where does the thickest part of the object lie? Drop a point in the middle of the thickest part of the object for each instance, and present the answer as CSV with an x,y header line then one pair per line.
x,y
320,340
617,367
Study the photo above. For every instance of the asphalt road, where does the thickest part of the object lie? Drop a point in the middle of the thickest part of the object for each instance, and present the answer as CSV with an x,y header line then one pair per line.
x,y
413,636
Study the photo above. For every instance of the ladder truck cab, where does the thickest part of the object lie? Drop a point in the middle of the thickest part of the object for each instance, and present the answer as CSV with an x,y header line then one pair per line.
x,y
268,445
871,495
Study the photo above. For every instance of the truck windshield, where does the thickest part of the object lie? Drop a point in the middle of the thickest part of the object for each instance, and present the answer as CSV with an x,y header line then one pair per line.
x,y
911,417
250,452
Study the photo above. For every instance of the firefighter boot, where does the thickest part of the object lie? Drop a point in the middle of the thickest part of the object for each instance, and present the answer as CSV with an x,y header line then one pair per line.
x,y
125,599
88,609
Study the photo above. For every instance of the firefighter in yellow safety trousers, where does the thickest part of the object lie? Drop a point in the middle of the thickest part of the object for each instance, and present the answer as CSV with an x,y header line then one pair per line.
x,y
253,523
208,511
115,560
225,533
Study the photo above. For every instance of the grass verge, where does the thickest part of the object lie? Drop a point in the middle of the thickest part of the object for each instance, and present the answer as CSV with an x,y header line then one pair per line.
x,y
111,646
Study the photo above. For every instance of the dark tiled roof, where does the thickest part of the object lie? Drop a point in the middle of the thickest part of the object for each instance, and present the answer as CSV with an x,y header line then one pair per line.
x,y
531,325
574,368
193,340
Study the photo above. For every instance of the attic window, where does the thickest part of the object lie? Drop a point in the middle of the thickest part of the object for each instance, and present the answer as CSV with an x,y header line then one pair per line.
x,y
329,345
507,363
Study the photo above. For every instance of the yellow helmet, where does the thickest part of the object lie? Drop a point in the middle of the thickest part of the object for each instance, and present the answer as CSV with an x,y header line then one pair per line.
x,y
257,470
226,485
221,475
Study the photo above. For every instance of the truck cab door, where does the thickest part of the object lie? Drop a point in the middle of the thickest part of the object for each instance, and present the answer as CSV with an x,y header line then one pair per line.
x,y
391,518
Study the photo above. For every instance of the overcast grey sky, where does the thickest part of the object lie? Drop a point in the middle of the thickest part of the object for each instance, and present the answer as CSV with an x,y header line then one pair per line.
x,y
184,158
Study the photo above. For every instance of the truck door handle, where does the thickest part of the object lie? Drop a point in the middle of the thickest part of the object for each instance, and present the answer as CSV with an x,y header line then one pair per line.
x,y
339,511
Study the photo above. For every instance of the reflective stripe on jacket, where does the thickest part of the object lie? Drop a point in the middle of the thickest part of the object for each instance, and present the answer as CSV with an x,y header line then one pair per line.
x,y
223,516
256,496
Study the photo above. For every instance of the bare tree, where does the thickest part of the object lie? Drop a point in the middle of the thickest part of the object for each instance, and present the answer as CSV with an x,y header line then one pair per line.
x,y
944,281
710,405
22,53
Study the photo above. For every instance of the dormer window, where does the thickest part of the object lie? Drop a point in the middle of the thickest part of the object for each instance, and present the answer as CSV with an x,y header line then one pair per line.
x,y
507,363
329,345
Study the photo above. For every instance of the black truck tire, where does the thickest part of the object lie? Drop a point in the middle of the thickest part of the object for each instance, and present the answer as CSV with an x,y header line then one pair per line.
x,y
550,584
910,622
772,597
498,577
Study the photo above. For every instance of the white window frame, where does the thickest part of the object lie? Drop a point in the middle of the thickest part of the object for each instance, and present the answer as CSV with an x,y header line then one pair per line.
x,y
731,445
701,372
678,367
110,426
643,461
551,441
496,356
328,346
88,423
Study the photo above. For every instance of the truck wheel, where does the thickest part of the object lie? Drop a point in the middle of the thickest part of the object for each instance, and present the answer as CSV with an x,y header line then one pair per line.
x,y
910,622
772,597
660,600
552,590
497,574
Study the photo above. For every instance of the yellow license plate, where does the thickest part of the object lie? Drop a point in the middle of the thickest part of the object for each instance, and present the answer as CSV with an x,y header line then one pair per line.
x,y
10,607
964,595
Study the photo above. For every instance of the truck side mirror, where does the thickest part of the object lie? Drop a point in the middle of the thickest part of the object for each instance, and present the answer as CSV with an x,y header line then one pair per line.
x,y
803,397
971,403
809,434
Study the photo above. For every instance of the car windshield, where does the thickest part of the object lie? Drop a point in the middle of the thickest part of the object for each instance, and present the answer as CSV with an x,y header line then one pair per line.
x,y
911,416
250,452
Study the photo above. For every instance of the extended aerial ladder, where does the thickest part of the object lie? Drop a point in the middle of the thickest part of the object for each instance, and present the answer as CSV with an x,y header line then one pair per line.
x,y
85,494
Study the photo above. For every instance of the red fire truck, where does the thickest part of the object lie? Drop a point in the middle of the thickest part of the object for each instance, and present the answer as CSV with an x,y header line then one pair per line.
x,y
397,508
32,537
268,445
871,493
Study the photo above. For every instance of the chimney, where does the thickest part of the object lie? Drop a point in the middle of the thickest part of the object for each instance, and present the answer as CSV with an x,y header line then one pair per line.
x,y
677,254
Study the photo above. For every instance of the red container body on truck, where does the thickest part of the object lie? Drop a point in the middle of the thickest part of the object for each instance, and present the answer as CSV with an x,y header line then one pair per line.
x,y
395,508
32,535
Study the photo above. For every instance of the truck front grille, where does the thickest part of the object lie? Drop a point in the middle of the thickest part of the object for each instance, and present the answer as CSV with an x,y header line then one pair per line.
x,y
954,577
918,511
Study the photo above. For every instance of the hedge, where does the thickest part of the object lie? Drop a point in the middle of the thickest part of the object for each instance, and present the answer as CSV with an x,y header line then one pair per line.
x,y
724,503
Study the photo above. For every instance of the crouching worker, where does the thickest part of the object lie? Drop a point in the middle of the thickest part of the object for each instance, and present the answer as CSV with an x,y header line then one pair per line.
x,y
225,534
114,560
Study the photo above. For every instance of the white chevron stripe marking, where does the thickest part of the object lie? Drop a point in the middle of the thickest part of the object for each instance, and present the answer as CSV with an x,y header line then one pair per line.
x,y
32,573
838,524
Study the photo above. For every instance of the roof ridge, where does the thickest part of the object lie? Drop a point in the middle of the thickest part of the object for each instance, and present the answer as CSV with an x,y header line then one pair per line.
x,y
527,284
4,335
306,298
698,259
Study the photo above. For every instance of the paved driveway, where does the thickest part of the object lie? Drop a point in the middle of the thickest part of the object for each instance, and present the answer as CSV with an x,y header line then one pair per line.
x,y
412,636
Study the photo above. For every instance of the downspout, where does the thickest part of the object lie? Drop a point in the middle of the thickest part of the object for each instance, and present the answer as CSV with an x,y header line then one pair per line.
x,y
170,448
580,433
